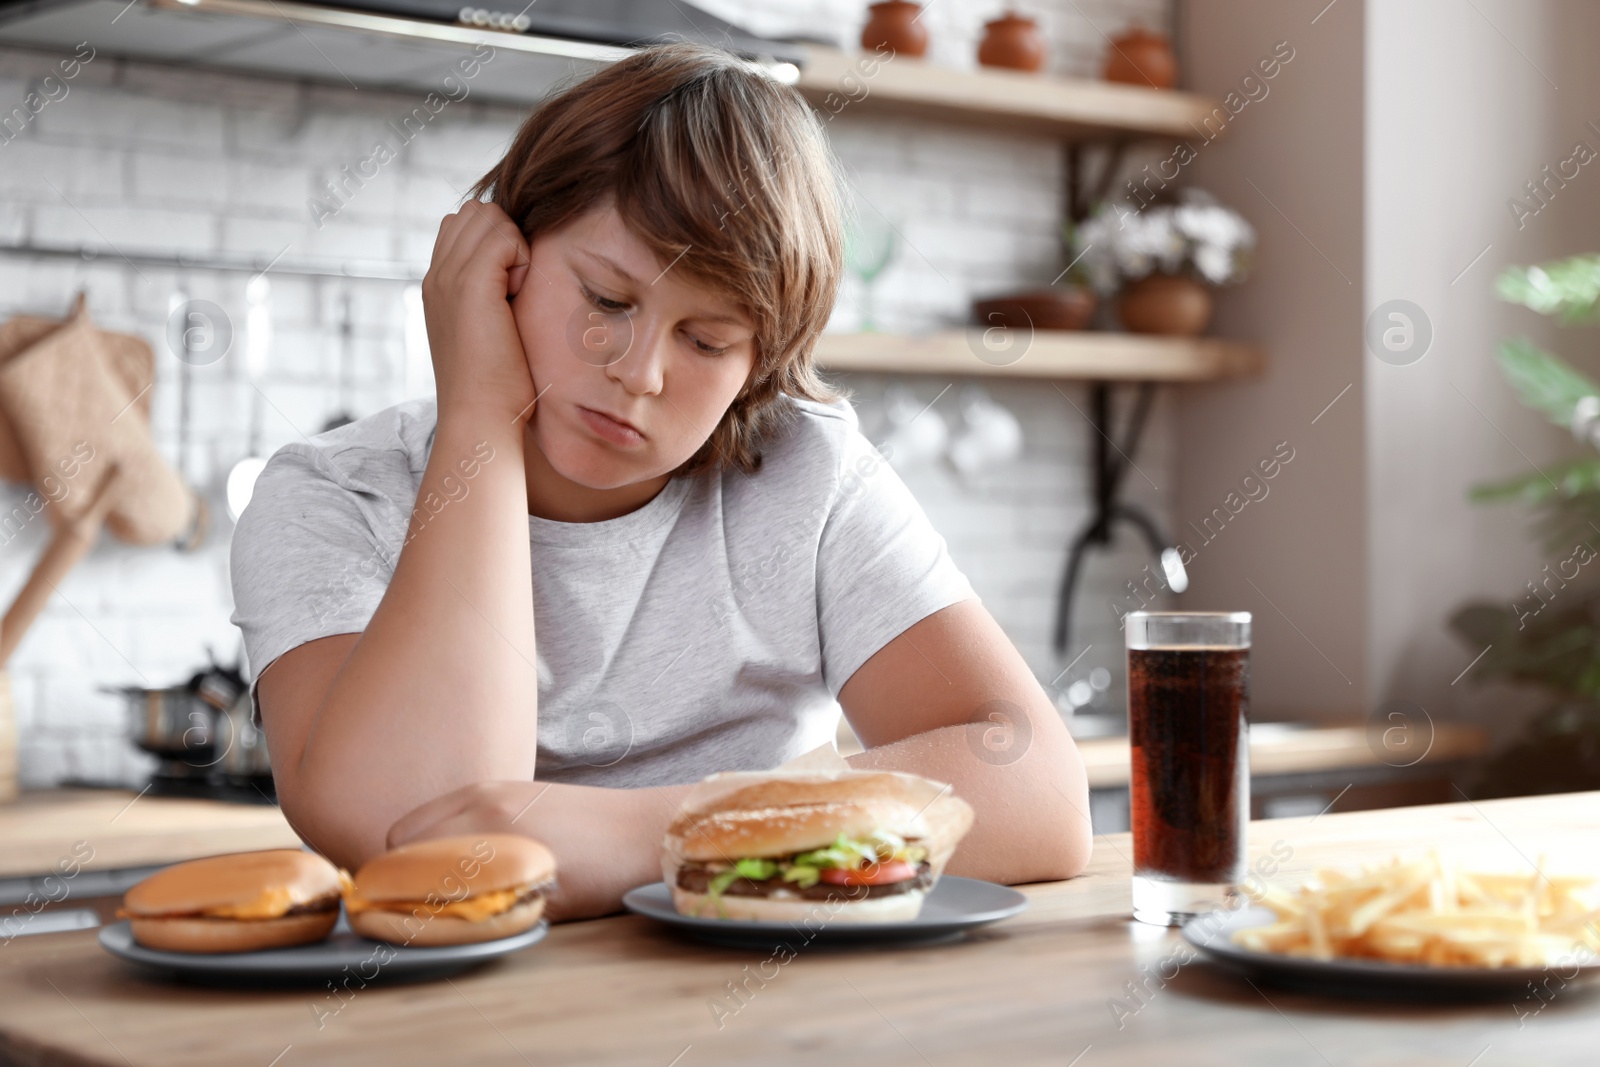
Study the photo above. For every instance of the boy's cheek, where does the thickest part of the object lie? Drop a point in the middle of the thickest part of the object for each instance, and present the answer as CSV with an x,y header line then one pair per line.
x,y
533,317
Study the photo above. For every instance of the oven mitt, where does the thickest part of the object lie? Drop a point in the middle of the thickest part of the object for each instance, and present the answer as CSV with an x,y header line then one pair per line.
x,y
131,361
62,398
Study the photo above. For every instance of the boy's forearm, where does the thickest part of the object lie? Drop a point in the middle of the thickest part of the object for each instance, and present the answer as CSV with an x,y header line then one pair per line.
x,y
1032,814
599,867
451,643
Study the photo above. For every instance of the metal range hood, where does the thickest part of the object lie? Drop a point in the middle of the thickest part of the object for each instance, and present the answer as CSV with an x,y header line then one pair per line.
x,y
627,23
382,44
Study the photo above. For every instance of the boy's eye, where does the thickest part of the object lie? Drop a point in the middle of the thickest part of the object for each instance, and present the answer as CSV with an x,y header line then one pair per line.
x,y
710,350
603,303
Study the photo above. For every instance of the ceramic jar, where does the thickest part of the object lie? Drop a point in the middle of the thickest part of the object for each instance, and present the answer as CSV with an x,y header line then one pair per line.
x,y
893,26
1013,41
1140,57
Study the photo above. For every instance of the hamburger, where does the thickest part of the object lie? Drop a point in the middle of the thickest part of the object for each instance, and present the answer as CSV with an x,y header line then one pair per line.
x,y
859,847
240,902
451,890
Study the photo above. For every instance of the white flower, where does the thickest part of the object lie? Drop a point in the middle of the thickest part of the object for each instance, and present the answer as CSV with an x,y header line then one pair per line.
x,y
1121,243
1214,263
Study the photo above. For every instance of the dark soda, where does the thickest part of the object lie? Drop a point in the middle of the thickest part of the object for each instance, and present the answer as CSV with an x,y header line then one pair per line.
x,y
1189,794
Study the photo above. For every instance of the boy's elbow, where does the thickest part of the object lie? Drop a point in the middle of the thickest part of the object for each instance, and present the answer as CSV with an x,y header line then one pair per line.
x,y
1068,851
1053,847
328,828
1065,852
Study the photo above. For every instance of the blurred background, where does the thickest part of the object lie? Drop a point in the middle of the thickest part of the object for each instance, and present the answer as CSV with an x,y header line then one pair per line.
x,y
1210,304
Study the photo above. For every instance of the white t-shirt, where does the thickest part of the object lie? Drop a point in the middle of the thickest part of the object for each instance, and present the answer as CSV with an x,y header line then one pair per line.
x,y
709,630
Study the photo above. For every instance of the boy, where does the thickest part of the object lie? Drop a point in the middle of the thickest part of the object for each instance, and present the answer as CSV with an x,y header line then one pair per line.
x,y
635,539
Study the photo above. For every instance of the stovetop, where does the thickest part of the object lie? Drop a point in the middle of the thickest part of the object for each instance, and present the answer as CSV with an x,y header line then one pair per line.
x,y
234,791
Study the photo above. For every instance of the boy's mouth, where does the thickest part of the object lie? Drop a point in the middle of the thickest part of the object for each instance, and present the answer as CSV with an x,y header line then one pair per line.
x,y
610,428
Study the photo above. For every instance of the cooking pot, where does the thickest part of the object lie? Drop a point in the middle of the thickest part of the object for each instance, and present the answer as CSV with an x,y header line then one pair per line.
x,y
243,745
173,723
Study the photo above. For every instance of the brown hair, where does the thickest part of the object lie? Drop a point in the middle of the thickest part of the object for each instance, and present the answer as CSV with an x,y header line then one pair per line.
x,y
724,173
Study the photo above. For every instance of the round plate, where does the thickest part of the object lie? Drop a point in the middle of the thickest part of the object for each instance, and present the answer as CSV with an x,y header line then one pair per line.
x,y
319,961
955,906
1371,978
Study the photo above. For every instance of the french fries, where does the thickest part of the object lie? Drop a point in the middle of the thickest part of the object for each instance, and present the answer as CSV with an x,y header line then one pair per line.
x,y
1426,911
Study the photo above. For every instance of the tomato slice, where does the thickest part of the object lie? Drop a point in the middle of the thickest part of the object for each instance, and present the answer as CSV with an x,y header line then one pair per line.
x,y
876,874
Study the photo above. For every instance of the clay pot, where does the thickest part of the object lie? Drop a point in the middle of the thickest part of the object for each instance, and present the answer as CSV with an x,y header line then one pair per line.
x,y
1140,57
1013,41
893,25
1060,307
1175,305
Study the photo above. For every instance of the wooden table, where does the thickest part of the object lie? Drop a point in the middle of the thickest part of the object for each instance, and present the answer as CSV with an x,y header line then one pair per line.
x,y
1037,989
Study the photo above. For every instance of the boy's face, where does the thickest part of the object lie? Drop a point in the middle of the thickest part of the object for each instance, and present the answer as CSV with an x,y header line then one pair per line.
x,y
611,330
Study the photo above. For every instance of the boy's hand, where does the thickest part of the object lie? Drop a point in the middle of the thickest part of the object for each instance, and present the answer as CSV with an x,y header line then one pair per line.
x,y
481,807
480,260
606,841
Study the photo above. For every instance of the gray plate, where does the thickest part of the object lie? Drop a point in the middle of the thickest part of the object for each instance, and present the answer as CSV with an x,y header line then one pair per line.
x,y
320,961
955,906
1375,978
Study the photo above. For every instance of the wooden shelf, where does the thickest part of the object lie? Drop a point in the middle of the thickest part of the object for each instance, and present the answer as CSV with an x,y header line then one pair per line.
x,y
1068,108
1050,354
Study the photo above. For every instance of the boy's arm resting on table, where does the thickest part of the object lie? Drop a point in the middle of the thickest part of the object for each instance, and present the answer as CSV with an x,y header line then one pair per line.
x,y
364,727
606,841
1030,796
439,688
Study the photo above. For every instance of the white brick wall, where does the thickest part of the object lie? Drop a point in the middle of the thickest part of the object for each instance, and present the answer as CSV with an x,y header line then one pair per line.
x,y
143,157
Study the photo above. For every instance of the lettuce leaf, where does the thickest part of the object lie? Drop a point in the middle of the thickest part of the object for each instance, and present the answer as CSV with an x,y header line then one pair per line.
x,y
805,869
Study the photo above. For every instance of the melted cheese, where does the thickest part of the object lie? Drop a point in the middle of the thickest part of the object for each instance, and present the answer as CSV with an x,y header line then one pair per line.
x,y
273,903
473,909
269,905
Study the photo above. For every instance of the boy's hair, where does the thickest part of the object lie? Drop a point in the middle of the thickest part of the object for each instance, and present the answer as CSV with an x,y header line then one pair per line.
x,y
725,174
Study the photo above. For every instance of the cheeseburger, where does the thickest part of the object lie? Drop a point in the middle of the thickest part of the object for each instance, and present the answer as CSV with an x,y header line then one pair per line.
x,y
451,890
866,846
239,902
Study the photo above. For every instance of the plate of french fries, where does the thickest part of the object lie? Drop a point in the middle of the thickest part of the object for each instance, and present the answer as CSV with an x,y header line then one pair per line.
x,y
1424,925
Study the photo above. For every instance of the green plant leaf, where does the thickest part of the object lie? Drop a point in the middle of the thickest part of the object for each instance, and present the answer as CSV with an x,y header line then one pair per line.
x,y
1559,481
1554,644
1544,382
1569,288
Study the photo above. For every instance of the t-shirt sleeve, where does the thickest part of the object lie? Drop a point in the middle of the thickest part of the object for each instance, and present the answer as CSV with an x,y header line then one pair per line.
x,y
881,566
309,557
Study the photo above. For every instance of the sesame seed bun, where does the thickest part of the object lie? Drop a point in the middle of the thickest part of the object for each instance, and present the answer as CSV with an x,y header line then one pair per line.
x,y
779,817
240,902
784,816
810,914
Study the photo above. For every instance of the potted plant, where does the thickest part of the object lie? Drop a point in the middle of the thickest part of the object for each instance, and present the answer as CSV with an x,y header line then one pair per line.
x,y
1164,258
1549,636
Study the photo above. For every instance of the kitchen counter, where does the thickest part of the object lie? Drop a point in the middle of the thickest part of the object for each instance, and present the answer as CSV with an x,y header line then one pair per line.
x,y
1276,750
1281,749
121,829
1036,989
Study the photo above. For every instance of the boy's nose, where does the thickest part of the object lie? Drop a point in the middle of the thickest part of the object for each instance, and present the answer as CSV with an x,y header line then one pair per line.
x,y
643,368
